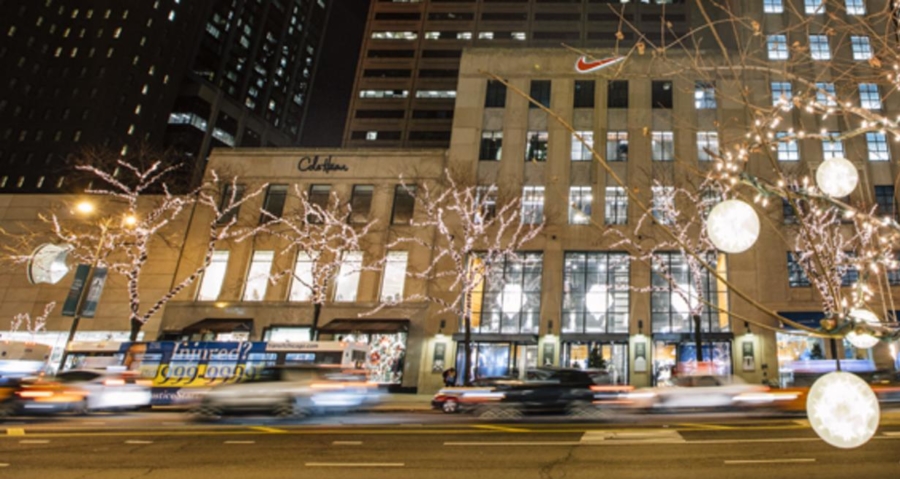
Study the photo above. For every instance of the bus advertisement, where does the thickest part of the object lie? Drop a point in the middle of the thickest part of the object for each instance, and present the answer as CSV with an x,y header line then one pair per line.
x,y
182,371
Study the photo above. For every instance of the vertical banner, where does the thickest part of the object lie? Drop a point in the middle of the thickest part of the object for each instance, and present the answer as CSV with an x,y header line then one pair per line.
x,y
71,304
98,280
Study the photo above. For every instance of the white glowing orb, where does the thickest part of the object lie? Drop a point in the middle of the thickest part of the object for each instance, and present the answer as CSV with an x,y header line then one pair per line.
x,y
597,299
843,410
837,177
685,306
863,340
732,226
512,299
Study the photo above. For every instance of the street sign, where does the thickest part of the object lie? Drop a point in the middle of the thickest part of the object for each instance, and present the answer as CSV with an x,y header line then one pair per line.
x,y
98,280
71,304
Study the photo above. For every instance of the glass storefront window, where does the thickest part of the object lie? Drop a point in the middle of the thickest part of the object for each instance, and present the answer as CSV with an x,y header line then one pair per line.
x,y
595,293
673,358
287,334
508,300
672,305
386,357
609,357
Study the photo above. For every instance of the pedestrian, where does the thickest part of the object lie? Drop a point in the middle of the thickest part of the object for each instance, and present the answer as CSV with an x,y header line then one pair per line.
x,y
450,377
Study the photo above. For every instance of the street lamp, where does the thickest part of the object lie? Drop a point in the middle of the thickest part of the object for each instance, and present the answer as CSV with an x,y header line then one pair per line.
x,y
87,286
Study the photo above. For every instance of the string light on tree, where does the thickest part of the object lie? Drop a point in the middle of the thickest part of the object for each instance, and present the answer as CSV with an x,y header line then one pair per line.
x,y
837,177
733,226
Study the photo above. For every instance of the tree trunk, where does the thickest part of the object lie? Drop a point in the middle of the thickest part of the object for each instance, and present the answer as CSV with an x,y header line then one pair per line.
x,y
314,331
698,339
135,329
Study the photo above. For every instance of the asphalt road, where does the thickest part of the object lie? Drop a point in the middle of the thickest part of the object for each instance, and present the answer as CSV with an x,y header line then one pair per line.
x,y
425,445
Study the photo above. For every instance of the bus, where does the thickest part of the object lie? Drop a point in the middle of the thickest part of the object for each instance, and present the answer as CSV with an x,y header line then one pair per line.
x,y
181,371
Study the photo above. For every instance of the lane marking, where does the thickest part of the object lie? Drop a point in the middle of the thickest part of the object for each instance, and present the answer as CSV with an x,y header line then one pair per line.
x,y
346,443
892,433
3,464
268,429
240,442
355,464
768,461
518,443
15,431
492,427
34,441
656,436
137,441
714,427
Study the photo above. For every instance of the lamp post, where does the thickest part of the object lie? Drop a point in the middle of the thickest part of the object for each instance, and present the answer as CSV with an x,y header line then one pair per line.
x,y
83,285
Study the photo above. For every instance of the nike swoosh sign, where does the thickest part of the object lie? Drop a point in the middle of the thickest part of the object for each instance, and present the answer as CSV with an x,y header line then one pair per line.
x,y
584,66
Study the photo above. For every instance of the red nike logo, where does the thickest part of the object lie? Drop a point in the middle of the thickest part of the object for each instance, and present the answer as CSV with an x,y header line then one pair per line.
x,y
584,66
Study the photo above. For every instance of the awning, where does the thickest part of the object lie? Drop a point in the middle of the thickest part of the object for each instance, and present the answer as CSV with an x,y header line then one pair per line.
x,y
220,326
382,326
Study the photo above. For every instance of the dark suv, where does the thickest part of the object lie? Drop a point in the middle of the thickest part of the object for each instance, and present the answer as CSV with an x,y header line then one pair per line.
x,y
550,390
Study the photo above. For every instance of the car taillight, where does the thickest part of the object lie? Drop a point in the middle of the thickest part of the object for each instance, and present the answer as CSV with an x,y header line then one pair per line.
x,y
34,394
114,382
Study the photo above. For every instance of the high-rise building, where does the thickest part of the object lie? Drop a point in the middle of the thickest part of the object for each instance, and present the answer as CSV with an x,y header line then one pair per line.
x,y
166,73
407,75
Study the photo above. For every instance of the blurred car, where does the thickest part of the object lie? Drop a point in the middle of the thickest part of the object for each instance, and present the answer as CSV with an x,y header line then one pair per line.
x,y
703,391
448,399
8,388
83,391
545,390
289,392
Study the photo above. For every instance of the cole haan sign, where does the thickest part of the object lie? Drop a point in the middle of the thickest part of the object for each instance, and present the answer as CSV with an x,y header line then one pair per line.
x,y
318,163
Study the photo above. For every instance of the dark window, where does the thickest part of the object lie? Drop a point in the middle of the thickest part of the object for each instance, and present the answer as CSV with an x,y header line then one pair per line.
x,y
796,275
379,113
438,73
540,91
584,94
319,195
496,95
404,204
433,114
851,274
231,194
361,203
662,94
429,135
450,16
386,73
884,198
491,145
617,94
397,16
441,53
391,53
504,16
273,206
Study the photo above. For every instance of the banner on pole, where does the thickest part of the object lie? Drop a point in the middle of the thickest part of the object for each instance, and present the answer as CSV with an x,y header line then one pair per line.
x,y
71,304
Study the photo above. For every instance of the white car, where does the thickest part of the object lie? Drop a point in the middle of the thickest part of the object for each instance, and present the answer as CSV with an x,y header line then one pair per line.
x,y
288,392
702,392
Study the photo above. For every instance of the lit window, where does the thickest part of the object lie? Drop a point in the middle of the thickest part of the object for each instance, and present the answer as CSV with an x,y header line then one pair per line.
x,y
663,203
832,147
171,15
862,49
707,145
432,35
213,277
533,204
662,145
536,146
485,202
394,277
581,151
485,35
117,33
394,35
616,207
787,147
777,47
347,282
518,35
796,274
773,6
491,145
675,298
595,293
704,96
856,7
258,275
302,281
436,94
371,135
781,93
877,147
825,94
818,47
814,7
616,146
463,35
868,96
580,199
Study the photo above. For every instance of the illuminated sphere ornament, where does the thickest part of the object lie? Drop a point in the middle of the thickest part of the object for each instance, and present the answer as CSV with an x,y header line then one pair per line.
x,y
843,410
837,177
862,340
732,226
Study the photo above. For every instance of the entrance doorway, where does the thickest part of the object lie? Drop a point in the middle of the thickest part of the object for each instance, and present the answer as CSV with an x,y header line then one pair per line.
x,y
502,359
609,356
